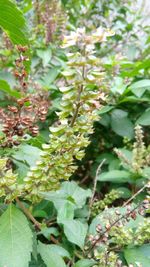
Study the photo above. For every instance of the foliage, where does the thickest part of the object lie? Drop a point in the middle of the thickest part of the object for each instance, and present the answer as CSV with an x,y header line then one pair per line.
x,y
13,22
74,105
14,242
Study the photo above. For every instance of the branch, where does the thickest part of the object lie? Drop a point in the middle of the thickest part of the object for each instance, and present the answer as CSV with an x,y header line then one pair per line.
x,y
26,211
28,214
136,194
78,98
113,224
77,106
94,187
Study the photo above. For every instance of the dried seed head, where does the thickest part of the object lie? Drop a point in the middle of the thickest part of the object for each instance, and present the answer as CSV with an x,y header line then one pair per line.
x,y
13,109
26,121
24,84
20,132
16,74
107,226
133,215
24,73
22,48
34,130
42,118
98,228
90,238
16,143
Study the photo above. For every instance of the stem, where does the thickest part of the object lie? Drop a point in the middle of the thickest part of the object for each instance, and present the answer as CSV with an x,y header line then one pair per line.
x,y
136,194
37,11
77,107
25,210
54,240
78,255
94,187
28,214
78,97
114,223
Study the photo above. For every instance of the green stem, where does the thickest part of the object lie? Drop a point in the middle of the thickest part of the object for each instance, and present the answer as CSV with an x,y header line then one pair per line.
x,y
77,106
78,97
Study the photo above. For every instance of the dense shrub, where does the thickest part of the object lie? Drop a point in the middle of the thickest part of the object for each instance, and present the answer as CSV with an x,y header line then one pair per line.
x,y
74,134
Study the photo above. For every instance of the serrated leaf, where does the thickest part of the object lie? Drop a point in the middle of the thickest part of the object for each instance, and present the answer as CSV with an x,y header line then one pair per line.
x,y
69,191
13,22
15,239
69,198
76,192
50,258
75,232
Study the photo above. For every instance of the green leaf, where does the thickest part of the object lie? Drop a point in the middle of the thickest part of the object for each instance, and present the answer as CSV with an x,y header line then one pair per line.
x,y
8,77
84,263
22,168
66,211
37,263
4,86
146,172
105,109
67,199
124,192
121,124
75,232
13,22
144,119
28,154
105,120
50,257
118,86
39,213
48,231
58,250
139,88
15,238
138,254
50,77
45,55
127,153
77,193
115,176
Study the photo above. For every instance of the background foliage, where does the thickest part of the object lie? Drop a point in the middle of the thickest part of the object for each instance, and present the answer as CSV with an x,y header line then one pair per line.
x,y
93,76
